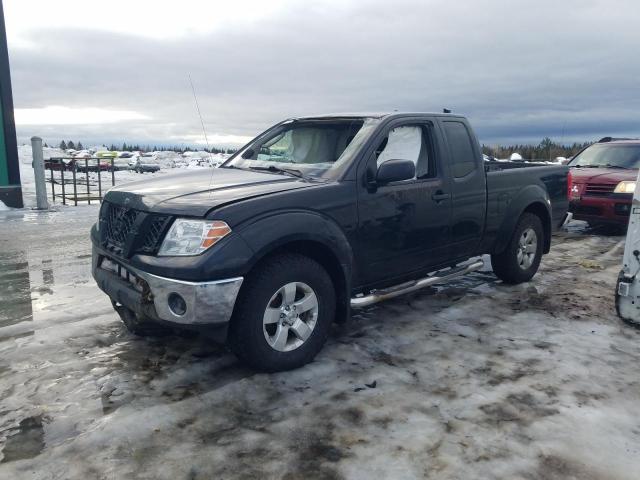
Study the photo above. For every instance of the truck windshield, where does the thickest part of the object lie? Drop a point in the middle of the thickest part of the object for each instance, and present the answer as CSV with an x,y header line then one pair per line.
x,y
319,148
608,156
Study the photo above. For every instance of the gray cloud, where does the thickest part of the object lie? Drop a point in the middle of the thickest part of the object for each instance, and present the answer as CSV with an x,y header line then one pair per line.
x,y
519,70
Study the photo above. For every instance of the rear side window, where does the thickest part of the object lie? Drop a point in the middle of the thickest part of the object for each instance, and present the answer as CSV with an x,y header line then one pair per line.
x,y
463,157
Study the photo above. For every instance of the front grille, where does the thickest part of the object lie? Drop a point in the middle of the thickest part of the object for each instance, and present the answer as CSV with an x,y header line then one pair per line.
x,y
155,232
118,225
599,189
125,231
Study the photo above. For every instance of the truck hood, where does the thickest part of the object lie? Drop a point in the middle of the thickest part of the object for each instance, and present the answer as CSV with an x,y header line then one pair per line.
x,y
602,175
196,192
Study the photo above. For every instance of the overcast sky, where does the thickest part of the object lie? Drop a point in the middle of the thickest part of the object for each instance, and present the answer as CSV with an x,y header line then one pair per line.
x,y
118,70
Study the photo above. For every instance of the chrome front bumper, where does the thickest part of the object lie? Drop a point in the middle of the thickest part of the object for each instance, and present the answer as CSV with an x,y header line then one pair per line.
x,y
206,302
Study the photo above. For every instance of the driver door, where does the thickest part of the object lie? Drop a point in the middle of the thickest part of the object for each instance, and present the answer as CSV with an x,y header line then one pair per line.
x,y
404,227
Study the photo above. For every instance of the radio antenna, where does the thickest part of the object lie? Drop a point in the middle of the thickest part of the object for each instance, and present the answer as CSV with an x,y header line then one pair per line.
x,y
195,98
204,130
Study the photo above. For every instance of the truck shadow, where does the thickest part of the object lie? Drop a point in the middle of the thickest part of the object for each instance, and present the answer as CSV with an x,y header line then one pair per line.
x,y
161,370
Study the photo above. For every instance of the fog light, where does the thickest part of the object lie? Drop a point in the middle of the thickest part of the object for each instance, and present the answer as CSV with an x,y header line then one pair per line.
x,y
177,305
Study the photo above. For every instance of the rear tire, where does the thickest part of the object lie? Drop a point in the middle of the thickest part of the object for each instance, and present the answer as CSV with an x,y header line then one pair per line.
x,y
520,260
283,314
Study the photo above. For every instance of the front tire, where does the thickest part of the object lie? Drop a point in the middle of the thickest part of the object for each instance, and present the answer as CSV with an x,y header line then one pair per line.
x,y
283,314
520,260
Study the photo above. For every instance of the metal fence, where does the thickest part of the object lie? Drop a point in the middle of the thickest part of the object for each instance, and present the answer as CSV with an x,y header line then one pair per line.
x,y
74,179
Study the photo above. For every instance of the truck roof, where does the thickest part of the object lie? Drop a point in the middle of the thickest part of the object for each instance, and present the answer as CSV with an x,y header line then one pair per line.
x,y
373,115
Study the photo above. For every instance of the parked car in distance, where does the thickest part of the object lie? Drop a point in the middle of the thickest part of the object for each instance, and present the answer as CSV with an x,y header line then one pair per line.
x,y
57,164
180,162
92,164
121,163
146,163
314,217
602,181
82,154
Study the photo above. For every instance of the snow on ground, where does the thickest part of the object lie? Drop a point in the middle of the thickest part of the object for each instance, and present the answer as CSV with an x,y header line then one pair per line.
x,y
473,380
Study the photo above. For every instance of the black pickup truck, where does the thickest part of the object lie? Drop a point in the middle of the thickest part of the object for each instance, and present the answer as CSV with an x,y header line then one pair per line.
x,y
314,217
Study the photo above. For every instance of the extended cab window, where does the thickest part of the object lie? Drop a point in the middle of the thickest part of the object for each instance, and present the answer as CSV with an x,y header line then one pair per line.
x,y
409,142
463,158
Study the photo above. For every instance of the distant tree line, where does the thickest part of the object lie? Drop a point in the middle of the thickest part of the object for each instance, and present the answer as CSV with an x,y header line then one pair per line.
x,y
547,149
146,148
75,146
163,148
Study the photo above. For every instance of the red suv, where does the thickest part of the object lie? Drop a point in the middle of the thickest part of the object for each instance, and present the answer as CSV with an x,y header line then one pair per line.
x,y
602,180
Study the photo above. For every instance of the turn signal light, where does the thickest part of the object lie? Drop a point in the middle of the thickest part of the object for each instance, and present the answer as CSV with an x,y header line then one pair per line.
x,y
216,232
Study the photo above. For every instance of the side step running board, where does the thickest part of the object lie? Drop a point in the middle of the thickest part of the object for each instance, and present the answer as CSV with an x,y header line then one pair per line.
x,y
439,277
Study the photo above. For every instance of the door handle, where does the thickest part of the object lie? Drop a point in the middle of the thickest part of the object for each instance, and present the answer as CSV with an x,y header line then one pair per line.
x,y
439,196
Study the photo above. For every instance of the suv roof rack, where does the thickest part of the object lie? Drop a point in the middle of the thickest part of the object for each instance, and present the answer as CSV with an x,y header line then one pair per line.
x,y
613,139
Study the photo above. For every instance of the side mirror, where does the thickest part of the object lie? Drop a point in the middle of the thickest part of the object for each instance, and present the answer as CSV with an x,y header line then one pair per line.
x,y
395,171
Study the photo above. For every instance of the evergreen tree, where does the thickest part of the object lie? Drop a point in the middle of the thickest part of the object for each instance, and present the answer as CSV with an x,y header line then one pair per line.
x,y
63,145
547,149
79,146
71,145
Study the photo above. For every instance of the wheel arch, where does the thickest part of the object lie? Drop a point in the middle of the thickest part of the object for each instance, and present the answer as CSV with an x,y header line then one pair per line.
x,y
532,200
309,234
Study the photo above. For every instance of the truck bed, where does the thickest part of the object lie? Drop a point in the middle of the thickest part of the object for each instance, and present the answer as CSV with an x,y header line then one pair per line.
x,y
508,181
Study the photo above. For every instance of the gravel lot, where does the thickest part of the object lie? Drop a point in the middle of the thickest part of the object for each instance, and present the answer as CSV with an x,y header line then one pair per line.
x,y
472,380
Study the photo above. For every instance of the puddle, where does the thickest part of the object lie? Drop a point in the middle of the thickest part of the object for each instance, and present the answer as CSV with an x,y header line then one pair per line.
x,y
15,293
26,442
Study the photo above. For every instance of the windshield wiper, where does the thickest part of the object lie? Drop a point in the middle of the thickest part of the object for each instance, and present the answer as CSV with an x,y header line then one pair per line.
x,y
288,171
608,165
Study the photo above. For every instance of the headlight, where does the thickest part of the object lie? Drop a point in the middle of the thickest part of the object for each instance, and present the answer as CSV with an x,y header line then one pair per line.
x,y
192,237
625,187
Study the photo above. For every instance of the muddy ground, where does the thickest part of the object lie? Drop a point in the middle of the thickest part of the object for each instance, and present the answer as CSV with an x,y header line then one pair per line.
x,y
472,380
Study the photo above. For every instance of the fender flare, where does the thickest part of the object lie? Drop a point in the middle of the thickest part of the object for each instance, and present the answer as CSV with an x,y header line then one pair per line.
x,y
531,198
273,232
